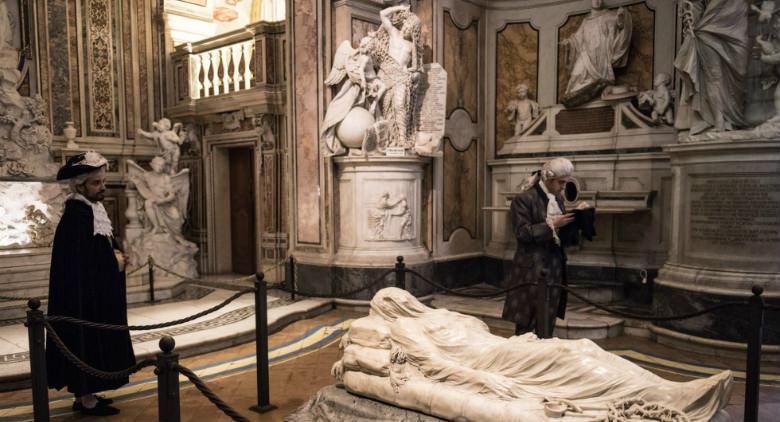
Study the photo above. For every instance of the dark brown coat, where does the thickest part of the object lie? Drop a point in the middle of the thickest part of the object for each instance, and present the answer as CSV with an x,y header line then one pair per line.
x,y
537,259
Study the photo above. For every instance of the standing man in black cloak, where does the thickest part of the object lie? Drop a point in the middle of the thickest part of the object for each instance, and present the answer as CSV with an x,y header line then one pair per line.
x,y
538,218
87,281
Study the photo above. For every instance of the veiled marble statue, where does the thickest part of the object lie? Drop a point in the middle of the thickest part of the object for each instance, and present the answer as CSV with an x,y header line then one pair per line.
x,y
450,366
162,212
600,44
712,61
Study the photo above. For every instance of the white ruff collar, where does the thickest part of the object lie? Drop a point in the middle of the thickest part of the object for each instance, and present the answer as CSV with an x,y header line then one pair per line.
x,y
100,220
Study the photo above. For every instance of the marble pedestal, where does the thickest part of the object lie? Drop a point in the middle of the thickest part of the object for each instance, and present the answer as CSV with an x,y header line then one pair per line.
x,y
378,216
379,211
725,239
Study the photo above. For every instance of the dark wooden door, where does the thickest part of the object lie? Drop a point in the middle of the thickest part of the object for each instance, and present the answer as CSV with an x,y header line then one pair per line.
x,y
242,210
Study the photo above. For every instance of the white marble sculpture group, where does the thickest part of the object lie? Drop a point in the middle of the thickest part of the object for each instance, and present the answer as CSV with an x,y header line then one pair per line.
x,y
387,98
25,140
449,365
157,218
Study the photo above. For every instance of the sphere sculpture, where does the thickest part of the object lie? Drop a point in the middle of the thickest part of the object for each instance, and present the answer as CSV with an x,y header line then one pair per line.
x,y
352,129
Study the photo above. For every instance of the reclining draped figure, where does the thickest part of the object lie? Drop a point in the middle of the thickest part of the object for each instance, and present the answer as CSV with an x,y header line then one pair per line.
x,y
449,365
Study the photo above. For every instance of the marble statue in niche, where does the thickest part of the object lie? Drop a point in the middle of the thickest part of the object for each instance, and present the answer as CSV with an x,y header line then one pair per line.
x,y
522,111
600,44
712,61
168,140
450,366
659,100
384,92
765,11
390,220
25,140
162,212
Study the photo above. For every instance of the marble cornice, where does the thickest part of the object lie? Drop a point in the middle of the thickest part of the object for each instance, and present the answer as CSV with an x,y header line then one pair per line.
x,y
533,4
265,98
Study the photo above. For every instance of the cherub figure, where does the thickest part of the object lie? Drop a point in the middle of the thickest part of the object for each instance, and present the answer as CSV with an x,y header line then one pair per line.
x,y
165,197
522,111
660,99
766,10
168,141
361,87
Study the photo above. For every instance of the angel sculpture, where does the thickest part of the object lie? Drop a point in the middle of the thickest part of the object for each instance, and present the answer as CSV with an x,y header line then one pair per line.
x,y
165,197
168,141
361,88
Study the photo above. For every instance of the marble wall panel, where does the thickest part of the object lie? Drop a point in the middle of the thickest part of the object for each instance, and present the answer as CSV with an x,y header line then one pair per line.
x,y
156,66
73,74
128,56
517,56
143,66
639,70
305,109
461,52
361,28
43,56
59,64
460,204
424,11
100,39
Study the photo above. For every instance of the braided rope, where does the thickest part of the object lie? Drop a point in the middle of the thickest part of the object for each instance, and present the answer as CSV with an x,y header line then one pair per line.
x,y
206,391
646,317
184,277
13,298
472,295
336,295
78,363
59,318
146,264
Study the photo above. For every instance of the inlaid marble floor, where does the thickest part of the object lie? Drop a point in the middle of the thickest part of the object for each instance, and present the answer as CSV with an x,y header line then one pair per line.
x,y
303,353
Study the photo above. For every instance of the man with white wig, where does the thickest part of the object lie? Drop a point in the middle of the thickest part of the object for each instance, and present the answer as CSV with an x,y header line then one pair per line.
x,y
87,281
538,216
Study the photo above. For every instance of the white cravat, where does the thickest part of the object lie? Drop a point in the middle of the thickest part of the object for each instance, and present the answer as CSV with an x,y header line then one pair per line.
x,y
552,210
100,220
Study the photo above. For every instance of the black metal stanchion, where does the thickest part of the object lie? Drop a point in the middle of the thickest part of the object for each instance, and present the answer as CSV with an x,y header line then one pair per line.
x,y
36,336
150,261
290,276
261,346
167,382
400,273
753,367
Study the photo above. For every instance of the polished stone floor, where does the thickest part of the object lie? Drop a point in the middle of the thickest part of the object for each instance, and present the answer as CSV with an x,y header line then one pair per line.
x,y
303,352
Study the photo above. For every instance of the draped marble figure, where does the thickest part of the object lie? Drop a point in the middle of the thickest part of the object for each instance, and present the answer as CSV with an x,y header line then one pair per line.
x,y
600,43
713,62
449,365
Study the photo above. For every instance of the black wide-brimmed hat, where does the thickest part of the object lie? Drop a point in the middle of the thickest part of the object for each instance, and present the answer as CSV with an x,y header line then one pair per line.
x,y
86,162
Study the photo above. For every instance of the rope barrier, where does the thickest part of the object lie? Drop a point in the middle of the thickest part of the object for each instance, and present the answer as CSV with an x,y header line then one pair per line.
x,y
14,298
206,391
472,295
650,318
338,295
78,363
59,318
145,264
184,277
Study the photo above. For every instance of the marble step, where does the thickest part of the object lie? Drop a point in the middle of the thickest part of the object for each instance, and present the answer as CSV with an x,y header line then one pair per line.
x,y
579,323
163,290
24,272
18,257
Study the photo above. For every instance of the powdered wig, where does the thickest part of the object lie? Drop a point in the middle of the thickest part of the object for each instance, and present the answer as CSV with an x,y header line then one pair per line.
x,y
556,168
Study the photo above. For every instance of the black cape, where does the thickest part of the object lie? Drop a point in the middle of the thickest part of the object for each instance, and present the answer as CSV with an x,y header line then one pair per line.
x,y
85,283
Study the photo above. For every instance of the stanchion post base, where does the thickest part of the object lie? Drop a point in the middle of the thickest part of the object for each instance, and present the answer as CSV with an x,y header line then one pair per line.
x,y
262,409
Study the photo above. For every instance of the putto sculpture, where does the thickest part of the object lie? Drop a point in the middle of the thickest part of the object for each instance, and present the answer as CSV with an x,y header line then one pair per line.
x,y
522,111
659,100
450,366
387,98
600,44
168,140
162,211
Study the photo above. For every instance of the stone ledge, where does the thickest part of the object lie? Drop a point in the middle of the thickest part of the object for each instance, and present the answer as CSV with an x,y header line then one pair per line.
x,y
707,346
